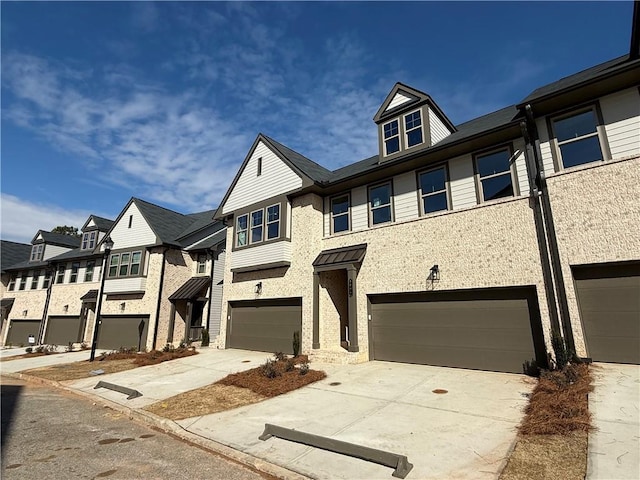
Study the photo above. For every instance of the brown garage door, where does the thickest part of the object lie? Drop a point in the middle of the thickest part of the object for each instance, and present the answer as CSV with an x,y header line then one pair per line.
x,y
19,331
609,303
264,325
490,329
123,331
62,330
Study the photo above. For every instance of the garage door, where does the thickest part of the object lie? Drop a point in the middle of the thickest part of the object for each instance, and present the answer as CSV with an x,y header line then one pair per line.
x,y
19,331
123,331
264,325
491,329
62,330
609,303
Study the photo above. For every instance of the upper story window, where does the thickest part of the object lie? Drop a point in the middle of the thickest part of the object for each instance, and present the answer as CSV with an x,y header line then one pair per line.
x,y
577,139
22,281
47,279
391,137
241,230
60,274
380,204
413,128
495,175
340,214
126,264
89,240
88,271
433,190
257,219
273,221
202,263
75,267
12,283
35,279
36,252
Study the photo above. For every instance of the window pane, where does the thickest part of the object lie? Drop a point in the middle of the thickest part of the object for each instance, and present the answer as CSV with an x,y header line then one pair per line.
x,y
391,129
114,259
497,187
435,203
341,223
256,234
414,137
273,230
256,218
340,205
113,270
273,213
125,258
381,215
242,222
135,257
393,145
412,120
493,163
380,195
581,151
242,238
432,181
576,126
135,268
124,270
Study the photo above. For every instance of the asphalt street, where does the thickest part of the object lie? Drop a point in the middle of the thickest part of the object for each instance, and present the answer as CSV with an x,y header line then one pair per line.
x,y
52,434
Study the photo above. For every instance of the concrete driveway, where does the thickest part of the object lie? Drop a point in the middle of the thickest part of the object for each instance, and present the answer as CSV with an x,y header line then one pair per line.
x,y
614,450
464,433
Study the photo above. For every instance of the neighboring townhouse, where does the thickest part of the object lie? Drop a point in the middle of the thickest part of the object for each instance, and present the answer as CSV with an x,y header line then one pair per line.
x,y
11,253
158,286
457,245
28,284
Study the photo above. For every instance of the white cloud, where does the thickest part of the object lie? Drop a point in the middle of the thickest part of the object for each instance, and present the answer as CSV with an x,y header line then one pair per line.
x,y
21,219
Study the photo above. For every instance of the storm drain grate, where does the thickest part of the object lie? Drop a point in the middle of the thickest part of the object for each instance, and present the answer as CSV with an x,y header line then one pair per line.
x,y
399,463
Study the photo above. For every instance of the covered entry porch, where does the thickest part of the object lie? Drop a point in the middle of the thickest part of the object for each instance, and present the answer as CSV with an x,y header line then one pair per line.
x,y
189,303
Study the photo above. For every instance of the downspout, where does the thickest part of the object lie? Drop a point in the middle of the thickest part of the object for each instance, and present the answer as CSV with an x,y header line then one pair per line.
x,y
552,240
46,306
159,303
213,260
534,182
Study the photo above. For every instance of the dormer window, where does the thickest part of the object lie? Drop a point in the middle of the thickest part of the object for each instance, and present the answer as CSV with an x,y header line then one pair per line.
x,y
89,240
413,129
391,137
36,252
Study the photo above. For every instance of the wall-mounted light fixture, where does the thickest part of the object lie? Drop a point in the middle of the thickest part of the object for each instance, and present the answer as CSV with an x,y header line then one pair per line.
x,y
258,288
434,274
25,312
66,308
123,306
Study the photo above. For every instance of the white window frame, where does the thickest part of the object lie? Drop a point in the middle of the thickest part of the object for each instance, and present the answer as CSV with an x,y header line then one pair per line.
x,y
201,266
12,282
46,281
511,171
332,217
265,217
36,252
22,281
239,231
128,265
89,269
252,226
75,270
397,135
599,133
35,279
89,240
60,274
408,130
423,195
372,208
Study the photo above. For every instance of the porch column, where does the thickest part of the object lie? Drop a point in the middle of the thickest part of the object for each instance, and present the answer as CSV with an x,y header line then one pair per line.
x,y
316,311
353,308
172,323
187,324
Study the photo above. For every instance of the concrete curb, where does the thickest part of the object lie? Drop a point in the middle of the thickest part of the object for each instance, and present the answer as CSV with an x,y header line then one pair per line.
x,y
171,428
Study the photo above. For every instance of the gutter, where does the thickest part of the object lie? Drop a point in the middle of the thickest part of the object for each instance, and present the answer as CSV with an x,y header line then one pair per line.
x,y
159,303
552,241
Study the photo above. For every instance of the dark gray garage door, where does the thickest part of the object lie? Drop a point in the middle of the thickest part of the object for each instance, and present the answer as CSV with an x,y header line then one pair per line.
x,y
609,303
62,330
19,331
491,329
123,331
264,325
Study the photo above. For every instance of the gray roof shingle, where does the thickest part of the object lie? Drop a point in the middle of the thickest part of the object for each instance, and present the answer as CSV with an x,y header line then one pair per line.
x,y
103,224
165,223
59,239
12,253
199,221
311,169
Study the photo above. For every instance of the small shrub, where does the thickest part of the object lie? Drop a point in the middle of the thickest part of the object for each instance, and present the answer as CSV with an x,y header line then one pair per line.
x,y
40,349
296,343
49,349
304,368
289,365
205,338
560,350
29,349
69,347
279,356
269,369
168,348
84,346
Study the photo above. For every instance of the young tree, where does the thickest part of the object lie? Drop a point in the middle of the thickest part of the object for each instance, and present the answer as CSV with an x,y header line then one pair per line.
x,y
67,230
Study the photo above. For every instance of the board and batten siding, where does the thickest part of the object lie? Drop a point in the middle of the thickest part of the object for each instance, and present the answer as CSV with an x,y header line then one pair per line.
x,y
405,199
521,167
545,146
275,179
139,234
130,284
261,254
398,99
621,115
438,129
359,208
216,296
53,251
462,182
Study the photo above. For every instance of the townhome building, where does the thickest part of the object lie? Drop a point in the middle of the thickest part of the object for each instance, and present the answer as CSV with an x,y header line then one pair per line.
x,y
464,245
11,253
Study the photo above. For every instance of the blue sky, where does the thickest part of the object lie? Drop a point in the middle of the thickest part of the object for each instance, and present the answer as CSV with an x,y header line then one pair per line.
x,y
104,101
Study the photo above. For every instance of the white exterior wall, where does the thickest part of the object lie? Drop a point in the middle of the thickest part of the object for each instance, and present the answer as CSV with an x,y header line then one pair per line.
x,y
276,178
267,253
621,115
359,209
405,200
139,234
521,167
129,284
438,129
545,147
53,251
397,100
462,183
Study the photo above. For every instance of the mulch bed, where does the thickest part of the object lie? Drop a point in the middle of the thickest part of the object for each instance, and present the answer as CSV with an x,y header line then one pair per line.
x,y
284,381
148,358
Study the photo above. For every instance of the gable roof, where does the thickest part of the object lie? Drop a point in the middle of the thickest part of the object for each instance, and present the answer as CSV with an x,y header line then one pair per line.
x,y
59,239
12,253
76,253
199,221
209,242
165,223
299,162
102,224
